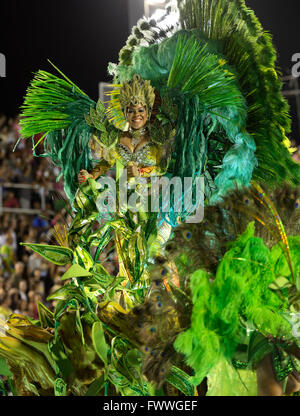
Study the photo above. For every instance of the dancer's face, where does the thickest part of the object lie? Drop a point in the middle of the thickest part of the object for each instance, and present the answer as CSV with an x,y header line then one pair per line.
x,y
137,116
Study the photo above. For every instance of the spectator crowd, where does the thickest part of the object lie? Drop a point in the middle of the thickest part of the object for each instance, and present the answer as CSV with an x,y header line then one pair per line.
x,y
296,154
25,277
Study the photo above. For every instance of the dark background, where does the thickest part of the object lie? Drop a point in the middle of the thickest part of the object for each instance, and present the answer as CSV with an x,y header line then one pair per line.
x,y
79,36
82,36
281,19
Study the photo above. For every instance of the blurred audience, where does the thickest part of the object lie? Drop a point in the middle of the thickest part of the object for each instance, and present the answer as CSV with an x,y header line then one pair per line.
x,y
296,154
25,277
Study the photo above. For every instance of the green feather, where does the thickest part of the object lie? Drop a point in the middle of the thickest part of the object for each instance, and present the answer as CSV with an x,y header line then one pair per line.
x,y
249,50
240,289
56,108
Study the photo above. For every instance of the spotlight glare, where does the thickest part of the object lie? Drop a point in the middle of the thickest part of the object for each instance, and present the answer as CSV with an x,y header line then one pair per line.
x,y
155,2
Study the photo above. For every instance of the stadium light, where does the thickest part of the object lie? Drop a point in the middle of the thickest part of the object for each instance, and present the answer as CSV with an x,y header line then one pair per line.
x,y
152,5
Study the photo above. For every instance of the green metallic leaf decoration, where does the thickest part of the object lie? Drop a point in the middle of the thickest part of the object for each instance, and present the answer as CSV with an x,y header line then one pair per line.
x,y
75,271
4,369
46,317
67,292
96,386
96,121
60,387
83,258
63,364
105,133
133,361
76,308
100,108
181,380
88,120
99,342
100,269
24,343
60,256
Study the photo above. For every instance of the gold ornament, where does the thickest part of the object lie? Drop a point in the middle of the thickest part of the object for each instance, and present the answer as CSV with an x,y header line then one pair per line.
x,y
137,91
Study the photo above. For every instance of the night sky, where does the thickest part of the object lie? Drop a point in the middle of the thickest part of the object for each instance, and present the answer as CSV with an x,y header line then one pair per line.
x,y
281,19
82,36
79,36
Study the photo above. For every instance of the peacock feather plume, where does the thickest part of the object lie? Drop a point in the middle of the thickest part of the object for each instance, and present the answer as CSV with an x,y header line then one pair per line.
x,y
206,243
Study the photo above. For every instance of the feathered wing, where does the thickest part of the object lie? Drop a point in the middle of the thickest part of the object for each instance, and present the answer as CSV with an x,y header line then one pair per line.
x,y
211,110
248,48
56,108
231,87
212,115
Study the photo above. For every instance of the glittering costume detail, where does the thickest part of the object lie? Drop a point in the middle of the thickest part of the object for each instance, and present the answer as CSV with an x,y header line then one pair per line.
x,y
282,363
140,156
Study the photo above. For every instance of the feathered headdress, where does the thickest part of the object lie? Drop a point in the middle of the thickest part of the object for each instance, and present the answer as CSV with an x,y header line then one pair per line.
x,y
136,91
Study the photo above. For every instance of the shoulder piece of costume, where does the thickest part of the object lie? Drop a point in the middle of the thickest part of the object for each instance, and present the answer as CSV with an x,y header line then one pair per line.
x,y
104,132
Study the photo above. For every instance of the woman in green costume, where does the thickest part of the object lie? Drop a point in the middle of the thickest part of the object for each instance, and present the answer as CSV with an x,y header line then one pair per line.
x,y
221,321
133,151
